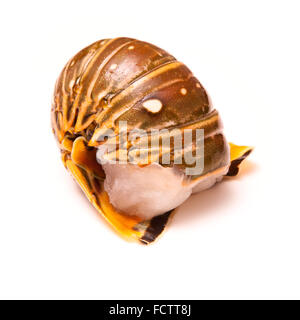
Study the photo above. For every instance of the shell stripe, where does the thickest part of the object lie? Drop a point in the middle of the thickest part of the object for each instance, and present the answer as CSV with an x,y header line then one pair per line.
x,y
125,84
106,59
210,124
133,94
88,103
86,74
142,81
104,63
80,69
68,110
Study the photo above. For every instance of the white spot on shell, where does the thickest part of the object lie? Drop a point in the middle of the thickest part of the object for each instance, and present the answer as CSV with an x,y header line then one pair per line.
x,y
130,47
71,84
72,63
183,91
113,66
153,105
198,85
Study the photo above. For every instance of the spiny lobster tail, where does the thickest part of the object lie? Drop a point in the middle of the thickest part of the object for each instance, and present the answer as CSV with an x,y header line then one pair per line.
x,y
124,79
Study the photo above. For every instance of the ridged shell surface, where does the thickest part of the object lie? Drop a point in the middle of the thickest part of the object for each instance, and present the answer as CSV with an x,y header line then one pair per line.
x,y
134,81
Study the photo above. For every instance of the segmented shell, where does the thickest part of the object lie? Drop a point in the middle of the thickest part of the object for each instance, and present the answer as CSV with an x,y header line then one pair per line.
x,y
128,80
123,79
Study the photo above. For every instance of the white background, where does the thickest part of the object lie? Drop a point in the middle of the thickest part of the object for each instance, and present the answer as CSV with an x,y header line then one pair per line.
x,y
238,240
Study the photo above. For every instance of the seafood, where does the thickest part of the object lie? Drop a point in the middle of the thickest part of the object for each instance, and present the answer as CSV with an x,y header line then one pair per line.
x,y
136,184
